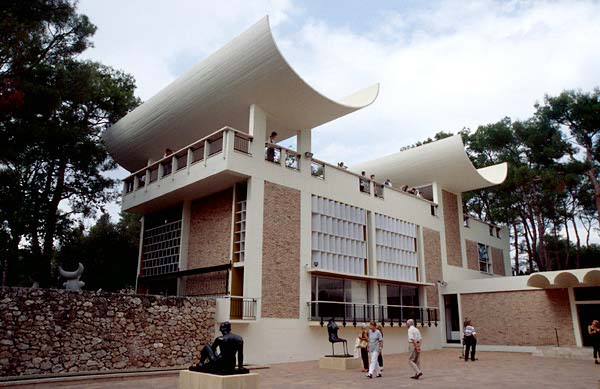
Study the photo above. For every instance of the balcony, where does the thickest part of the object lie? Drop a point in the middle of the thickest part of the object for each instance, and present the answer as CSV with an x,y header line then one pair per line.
x,y
236,309
356,313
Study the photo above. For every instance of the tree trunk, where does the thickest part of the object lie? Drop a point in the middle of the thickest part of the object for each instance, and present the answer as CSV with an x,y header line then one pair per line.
x,y
50,225
592,174
577,243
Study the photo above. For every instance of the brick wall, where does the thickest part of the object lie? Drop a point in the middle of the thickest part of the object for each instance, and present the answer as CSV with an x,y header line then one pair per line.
x,y
432,251
520,318
46,331
452,227
281,252
210,238
498,261
472,255
210,230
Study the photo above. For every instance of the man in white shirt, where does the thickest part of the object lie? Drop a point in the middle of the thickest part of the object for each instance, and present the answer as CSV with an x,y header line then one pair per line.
x,y
470,340
414,348
375,346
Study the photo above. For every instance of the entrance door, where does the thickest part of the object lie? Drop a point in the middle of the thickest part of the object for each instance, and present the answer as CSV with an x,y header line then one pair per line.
x,y
588,309
452,321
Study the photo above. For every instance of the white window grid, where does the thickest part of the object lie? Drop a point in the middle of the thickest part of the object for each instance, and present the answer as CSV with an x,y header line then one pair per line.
x,y
338,236
161,249
240,231
485,263
396,248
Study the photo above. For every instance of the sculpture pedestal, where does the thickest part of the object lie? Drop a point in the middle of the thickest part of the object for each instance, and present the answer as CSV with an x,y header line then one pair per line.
x,y
194,380
340,363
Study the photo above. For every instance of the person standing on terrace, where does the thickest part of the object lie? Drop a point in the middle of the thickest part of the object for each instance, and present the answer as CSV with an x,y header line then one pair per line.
x,y
270,149
388,183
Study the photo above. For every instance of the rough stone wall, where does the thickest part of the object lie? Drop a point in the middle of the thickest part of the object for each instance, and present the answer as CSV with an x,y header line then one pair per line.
x,y
452,226
54,331
210,236
432,251
520,318
281,252
472,255
498,261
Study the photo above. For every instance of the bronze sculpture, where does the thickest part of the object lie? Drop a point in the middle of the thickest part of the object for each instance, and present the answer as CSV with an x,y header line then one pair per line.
x,y
229,344
332,330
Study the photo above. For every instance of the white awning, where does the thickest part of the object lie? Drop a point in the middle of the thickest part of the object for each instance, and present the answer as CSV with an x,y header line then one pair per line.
x,y
218,92
444,161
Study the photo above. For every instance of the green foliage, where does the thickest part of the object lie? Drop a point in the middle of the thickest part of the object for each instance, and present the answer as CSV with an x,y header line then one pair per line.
x,y
108,252
53,108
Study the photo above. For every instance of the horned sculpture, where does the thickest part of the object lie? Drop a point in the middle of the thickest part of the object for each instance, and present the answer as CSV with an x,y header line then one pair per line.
x,y
72,278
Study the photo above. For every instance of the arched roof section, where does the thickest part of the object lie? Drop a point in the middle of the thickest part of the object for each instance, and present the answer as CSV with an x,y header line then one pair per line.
x,y
538,281
444,161
565,280
592,278
218,92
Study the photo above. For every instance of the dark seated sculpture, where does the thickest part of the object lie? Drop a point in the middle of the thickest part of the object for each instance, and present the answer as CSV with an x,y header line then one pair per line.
x,y
332,330
223,363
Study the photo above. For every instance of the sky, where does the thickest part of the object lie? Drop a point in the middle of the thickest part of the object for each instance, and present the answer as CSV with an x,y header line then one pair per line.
x,y
442,65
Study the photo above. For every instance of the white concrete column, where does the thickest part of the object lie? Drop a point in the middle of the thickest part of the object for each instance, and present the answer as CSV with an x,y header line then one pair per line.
x,y
305,251
575,318
254,239
438,199
257,128
304,145
186,215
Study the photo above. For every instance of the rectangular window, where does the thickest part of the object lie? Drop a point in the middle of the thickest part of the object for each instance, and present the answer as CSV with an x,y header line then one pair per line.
x,y
335,295
485,265
162,237
394,296
396,249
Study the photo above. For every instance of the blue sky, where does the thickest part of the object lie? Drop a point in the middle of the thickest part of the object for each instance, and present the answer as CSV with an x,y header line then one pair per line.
x,y
442,65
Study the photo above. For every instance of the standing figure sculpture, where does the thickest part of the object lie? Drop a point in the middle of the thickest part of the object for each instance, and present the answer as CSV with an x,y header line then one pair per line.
x,y
332,330
72,277
229,345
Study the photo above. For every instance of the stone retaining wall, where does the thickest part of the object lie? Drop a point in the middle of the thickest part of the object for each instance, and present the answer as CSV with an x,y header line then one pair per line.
x,y
54,331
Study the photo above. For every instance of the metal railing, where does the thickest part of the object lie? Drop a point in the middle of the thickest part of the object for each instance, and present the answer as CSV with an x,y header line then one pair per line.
x,y
198,151
353,313
242,308
317,169
378,190
364,185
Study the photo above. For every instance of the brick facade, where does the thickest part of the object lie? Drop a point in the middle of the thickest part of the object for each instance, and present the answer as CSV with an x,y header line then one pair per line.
x,y
281,252
472,255
498,261
452,227
432,252
520,318
209,241
210,230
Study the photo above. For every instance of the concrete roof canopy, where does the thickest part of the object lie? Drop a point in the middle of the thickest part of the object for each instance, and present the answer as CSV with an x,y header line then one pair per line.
x,y
218,92
444,161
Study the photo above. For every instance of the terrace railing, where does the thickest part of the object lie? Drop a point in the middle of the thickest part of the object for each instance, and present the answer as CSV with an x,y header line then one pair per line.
x,y
198,151
276,154
356,313
242,308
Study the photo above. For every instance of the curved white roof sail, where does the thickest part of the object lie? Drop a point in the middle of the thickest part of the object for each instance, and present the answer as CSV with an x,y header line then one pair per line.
x,y
444,161
218,92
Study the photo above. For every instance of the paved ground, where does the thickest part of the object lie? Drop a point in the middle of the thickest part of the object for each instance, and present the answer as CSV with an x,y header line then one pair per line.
x,y
442,369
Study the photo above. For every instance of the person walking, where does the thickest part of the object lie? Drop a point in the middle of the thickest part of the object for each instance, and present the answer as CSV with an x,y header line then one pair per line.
x,y
363,345
375,347
470,340
594,332
414,348
380,357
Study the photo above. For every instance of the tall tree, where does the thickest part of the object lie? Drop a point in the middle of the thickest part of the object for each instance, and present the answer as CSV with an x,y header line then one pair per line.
x,y
53,108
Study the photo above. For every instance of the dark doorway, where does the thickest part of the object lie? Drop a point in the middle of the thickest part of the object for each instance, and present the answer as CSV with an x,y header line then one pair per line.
x,y
452,321
587,313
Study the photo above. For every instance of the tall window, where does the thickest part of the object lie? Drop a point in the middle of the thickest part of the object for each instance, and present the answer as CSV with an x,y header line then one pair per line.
x,y
396,249
334,294
338,236
485,265
162,238
395,296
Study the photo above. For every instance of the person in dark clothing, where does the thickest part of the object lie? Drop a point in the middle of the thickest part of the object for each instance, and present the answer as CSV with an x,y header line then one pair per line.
x,y
594,332
363,344
470,340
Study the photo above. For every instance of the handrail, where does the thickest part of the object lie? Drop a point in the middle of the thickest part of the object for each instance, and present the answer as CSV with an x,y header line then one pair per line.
x,y
170,156
288,151
373,304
